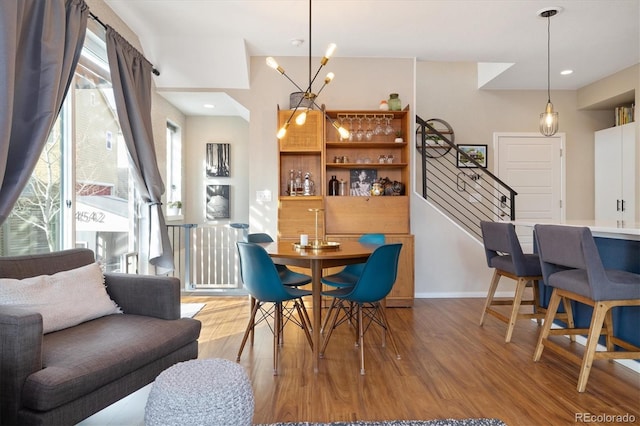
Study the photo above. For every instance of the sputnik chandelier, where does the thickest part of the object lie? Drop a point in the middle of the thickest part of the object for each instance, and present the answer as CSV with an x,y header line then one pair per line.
x,y
307,98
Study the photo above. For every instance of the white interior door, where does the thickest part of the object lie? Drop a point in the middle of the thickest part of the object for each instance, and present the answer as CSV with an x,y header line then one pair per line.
x,y
533,165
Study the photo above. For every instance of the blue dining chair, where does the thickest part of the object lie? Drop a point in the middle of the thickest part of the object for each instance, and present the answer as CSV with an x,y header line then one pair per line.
x,y
348,276
262,281
572,266
287,276
350,273
373,285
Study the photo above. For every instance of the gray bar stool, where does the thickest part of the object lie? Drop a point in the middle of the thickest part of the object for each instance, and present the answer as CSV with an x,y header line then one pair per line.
x,y
505,256
571,265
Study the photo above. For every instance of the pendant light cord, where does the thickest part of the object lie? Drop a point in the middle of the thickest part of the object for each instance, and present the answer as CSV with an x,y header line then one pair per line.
x,y
310,82
548,58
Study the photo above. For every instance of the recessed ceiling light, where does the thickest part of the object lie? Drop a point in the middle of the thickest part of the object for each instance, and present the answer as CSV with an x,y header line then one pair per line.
x,y
566,72
209,106
549,11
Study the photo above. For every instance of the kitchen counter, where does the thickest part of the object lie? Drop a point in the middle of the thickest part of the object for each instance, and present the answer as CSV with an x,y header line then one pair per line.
x,y
607,229
619,248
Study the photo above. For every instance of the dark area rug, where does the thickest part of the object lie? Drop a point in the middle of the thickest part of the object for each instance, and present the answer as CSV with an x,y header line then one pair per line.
x,y
443,422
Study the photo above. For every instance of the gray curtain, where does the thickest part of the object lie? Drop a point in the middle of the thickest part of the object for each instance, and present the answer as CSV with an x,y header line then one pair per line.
x,y
131,79
40,44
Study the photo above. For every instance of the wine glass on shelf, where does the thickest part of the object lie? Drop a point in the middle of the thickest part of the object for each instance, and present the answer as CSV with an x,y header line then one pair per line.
x,y
388,130
378,130
359,132
369,132
351,129
341,120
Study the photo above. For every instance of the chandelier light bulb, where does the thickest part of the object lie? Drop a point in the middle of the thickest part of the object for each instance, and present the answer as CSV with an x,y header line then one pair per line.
x,y
330,50
328,54
282,131
273,64
329,78
344,133
301,118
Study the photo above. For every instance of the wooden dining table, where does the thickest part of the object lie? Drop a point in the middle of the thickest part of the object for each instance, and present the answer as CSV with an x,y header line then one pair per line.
x,y
348,252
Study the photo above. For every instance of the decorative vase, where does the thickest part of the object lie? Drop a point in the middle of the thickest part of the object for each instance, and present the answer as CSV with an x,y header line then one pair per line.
x,y
394,102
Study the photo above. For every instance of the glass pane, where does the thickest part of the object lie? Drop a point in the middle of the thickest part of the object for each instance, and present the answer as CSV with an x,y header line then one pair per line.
x,y
102,182
34,223
174,170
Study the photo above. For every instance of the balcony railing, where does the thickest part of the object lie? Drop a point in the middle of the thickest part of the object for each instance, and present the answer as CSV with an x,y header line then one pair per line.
x,y
206,257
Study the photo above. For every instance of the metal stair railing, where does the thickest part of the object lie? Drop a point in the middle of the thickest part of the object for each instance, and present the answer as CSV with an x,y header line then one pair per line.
x,y
466,194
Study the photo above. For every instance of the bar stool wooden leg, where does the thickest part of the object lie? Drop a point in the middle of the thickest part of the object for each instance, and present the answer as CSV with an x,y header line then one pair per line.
x,y
490,294
521,284
597,319
569,310
608,323
554,302
537,307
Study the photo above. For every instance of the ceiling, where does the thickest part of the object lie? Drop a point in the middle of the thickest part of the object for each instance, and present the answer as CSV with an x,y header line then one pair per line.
x,y
202,47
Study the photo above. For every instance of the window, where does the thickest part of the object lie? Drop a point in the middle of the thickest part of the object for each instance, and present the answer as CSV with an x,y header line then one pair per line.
x,y
80,193
174,168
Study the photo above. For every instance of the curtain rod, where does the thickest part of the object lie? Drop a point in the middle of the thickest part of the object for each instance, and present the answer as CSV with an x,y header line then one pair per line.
x,y
95,18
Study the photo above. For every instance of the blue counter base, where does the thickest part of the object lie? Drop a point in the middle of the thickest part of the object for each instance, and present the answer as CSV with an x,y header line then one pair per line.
x,y
615,254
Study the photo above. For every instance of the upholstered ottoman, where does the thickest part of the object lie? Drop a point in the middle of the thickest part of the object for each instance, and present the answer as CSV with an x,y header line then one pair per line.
x,y
201,392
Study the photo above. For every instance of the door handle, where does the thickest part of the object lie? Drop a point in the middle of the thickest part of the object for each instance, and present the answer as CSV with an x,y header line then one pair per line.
x,y
617,205
622,203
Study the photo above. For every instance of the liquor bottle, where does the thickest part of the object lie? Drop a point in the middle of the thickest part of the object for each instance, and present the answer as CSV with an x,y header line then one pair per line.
x,y
334,186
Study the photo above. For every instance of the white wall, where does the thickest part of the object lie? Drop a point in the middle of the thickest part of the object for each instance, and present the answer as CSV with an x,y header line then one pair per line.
x,y
434,90
203,130
449,261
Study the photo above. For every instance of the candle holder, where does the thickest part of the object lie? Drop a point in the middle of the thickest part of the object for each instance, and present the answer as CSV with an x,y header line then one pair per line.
x,y
318,244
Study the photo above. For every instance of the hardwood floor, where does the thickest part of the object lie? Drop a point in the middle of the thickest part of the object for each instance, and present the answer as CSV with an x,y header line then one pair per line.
x,y
450,368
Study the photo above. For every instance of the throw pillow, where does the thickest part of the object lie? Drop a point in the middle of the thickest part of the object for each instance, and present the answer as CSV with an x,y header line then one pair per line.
x,y
64,299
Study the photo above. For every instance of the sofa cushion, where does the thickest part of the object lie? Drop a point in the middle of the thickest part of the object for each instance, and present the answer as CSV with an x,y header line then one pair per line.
x,y
63,299
81,359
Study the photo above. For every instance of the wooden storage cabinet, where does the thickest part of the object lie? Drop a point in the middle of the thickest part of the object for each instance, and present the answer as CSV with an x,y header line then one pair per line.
x,y
402,294
302,149
294,218
316,147
302,138
360,215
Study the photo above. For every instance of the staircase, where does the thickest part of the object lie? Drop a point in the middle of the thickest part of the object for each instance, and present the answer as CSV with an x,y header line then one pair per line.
x,y
456,182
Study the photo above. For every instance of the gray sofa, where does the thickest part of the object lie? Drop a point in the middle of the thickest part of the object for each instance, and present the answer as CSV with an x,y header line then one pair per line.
x,y
63,377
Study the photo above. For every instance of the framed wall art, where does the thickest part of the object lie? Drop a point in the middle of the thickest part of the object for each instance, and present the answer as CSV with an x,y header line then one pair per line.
x,y
477,152
218,160
362,181
218,201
